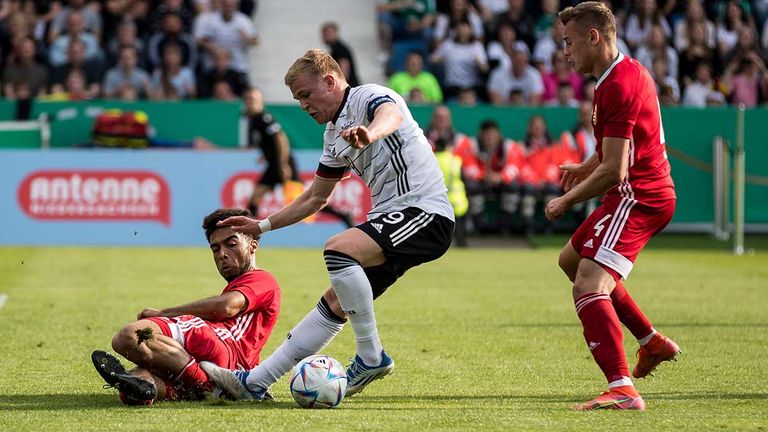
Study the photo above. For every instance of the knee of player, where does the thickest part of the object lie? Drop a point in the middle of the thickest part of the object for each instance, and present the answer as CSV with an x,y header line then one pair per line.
x,y
124,340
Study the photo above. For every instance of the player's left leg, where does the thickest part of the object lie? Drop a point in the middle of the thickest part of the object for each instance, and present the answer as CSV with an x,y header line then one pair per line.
x,y
345,256
603,334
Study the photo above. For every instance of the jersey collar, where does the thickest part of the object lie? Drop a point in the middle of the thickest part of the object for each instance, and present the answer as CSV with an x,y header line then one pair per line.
x,y
605,74
343,103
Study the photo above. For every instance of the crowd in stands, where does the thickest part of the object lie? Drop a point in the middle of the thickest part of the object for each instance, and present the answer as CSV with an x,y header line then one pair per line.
x,y
509,52
125,49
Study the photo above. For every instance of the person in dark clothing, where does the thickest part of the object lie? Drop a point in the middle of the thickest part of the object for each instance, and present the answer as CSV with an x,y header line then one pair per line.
x,y
340,52
266,133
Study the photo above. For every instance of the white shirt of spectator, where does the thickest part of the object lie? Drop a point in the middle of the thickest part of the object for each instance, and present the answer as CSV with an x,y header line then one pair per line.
x,y
695,94
460,62
400,170
226,34
502,82
543,50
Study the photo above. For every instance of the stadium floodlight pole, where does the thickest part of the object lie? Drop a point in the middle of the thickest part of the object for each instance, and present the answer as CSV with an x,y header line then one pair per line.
x,y
738,184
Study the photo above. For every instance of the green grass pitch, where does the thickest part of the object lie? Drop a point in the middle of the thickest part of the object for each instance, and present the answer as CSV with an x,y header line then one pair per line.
x,y
484,339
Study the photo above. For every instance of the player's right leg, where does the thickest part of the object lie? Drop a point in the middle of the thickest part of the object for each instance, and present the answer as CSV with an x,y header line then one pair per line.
x,y
309,337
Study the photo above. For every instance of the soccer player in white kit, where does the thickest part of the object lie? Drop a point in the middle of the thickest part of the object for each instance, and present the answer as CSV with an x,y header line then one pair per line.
x,y
369,130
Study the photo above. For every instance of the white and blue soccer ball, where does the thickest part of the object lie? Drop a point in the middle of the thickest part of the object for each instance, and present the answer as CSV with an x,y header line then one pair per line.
x,y
318,381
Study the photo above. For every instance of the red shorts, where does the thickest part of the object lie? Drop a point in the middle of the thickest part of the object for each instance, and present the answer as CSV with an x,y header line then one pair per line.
x,y
199,340
618,230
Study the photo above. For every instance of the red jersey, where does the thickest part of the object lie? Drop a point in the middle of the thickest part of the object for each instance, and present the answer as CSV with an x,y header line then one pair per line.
x,y
248,331
626,106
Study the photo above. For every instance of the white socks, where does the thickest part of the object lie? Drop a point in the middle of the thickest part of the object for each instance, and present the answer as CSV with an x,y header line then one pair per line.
x,y
309,337
353,290
648,338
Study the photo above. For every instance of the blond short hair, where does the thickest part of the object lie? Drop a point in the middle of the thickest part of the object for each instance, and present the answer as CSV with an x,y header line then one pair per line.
x,y
314,63
591,14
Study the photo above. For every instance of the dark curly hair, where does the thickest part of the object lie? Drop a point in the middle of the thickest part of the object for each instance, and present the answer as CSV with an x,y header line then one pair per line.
x,y
210,221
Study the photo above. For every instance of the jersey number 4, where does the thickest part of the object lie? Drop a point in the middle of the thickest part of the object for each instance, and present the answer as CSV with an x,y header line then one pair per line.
x,y
600,225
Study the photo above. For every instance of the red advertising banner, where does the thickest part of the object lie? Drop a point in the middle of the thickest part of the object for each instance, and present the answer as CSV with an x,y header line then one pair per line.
x,y
351,195
112,195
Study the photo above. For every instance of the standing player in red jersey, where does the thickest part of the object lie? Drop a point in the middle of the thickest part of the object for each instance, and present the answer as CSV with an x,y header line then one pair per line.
x,y
630,167
229,329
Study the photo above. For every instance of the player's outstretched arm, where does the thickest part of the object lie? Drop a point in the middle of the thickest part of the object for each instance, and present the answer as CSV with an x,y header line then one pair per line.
x,y
314,198
386,119
574,174
215,308
611,171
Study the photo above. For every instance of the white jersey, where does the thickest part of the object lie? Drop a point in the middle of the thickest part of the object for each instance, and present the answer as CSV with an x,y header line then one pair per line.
x,y
400,170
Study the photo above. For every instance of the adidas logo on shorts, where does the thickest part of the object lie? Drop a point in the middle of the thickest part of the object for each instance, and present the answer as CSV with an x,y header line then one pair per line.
x,y
588,243
378,227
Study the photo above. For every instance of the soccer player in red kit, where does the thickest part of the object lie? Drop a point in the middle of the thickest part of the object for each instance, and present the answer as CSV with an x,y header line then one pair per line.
x,y
229,329
631,169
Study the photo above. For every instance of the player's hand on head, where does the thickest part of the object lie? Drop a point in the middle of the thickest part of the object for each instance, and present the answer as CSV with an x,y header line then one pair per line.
x,y
242,224
149,313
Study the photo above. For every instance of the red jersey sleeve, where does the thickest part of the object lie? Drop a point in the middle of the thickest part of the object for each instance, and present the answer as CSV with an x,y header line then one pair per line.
x,y
260,289
619,107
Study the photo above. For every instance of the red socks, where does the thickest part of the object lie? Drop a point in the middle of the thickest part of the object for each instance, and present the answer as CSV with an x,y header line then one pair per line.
x,y
193,378
629,313
603,334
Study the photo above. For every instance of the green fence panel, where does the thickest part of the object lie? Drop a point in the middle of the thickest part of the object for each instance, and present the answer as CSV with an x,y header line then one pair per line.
x,y
756,156
7,109
71,122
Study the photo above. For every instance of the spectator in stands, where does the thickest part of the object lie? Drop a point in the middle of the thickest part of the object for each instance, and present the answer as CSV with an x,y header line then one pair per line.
x,y
490,9
415,77
655,46
696,92
57,54
340,52
715,99
399,20
441,127
500,50
237,81
89,14
17,27
730,21
74,88
113,13
581,138
464,61
92,71
126,36
173,80
547,45
519,76
694,13
24,69
467,97
519,19
561,73
223,91
178,7
459,11
491,166
232,30
640,22
667,88
564,96
540,175
588,89
172,34
548,17
127,75
745,45
697,52
747,80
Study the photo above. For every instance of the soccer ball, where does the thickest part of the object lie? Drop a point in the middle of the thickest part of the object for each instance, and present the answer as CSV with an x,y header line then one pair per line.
x,y
318,381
